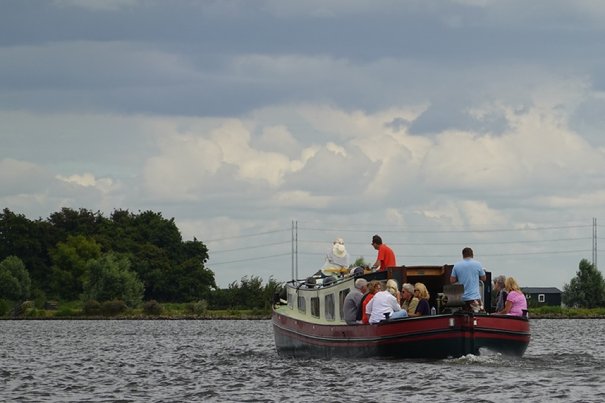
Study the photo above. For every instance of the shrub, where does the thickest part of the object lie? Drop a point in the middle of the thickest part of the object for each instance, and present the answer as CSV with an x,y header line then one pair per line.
x,y
65,311
15,283
34,313
198,307
113,307
26,307
110,278
92,308
4,307
152,307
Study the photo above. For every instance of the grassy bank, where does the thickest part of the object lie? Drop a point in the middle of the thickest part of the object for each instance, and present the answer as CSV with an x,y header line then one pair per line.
x,y
118,310
200,310
554,312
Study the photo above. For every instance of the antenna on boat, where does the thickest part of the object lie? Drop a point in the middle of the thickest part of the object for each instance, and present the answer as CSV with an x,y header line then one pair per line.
x,y
292,251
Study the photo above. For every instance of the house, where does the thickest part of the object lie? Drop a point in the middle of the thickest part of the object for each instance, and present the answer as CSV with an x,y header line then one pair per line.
x,y
542,296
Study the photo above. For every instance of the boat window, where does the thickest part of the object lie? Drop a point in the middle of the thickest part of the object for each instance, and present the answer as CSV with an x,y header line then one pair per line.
x,y
341,299
315,306
541,298
302,305
329,304
290,301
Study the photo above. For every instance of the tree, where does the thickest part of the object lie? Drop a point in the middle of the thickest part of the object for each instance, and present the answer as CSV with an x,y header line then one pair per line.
x,y
249,293
55,251
359,262
15,283
69,265
587,289
72,222
27,240
188,281
109,277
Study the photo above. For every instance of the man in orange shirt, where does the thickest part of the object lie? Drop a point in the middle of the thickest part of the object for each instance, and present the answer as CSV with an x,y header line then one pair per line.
x,y
385,258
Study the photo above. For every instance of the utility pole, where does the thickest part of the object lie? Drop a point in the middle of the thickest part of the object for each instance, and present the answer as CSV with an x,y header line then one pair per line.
x,y
594,242
294,250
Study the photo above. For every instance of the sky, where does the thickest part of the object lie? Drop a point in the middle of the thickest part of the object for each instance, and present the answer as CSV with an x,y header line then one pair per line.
x,y
267,129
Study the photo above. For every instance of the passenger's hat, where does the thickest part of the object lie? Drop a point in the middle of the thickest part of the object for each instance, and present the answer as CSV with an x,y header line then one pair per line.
x,y
339,250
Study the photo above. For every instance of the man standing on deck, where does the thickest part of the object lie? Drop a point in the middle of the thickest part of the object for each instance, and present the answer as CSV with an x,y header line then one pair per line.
x,y
385,258
352,302
468,272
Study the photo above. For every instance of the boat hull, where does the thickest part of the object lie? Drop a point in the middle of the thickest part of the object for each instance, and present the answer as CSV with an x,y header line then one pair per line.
x,y
440,336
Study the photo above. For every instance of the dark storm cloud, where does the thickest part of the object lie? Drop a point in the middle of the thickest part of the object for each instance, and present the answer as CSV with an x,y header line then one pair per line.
x,y
206,38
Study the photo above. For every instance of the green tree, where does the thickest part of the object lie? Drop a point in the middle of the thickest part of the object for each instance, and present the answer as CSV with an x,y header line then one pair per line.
x,y
587,289
71,222
28,240
249,293
69,265
15,283
55,251
188,281
359,262
271,288
109,277
152,265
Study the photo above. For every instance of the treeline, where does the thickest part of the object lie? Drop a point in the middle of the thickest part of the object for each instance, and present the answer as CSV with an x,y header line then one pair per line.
x,y
132,257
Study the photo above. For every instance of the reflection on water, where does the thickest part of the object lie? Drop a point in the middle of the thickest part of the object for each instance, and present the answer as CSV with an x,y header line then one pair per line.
x,y
236,361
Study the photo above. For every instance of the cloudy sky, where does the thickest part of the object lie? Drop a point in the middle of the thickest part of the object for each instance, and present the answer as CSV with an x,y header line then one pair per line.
x,y
436,124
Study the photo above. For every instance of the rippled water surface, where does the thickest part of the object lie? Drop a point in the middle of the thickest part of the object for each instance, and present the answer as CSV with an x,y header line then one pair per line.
x,y
176,361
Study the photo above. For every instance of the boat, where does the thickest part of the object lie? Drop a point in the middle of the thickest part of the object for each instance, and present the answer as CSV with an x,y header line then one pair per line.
x,y
308,321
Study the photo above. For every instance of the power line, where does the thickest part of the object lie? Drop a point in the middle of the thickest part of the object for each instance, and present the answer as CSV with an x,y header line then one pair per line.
x,y
247,236
403,230
412,243
481,255
251,247
249,259
458,243
443,231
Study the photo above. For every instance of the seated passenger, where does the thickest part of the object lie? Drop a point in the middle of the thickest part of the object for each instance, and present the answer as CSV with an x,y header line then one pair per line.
x,y
408,301
515,301
337,259
423,308
373,287
385,302
500,292
352,301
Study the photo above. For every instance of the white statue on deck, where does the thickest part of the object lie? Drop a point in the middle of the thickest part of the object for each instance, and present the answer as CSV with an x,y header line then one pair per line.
x,y
337,259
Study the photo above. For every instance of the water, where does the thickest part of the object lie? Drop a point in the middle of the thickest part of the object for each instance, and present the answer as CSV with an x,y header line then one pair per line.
x,y
235,361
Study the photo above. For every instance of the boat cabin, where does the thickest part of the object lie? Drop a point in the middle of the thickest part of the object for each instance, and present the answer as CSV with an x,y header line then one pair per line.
x,y
322,299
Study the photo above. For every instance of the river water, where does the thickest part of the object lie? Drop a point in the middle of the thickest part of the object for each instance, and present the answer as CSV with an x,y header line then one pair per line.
x,y
235,361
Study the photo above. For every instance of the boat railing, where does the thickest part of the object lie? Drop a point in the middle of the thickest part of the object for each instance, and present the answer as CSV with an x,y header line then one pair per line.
x,y
317,282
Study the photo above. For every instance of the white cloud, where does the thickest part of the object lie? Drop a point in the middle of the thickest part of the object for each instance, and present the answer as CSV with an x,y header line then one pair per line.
x,y
471,115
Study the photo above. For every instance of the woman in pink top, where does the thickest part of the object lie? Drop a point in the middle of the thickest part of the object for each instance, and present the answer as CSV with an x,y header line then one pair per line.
x,y
515,301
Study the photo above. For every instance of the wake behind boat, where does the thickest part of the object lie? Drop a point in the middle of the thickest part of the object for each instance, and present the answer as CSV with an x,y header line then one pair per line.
x,y
308,321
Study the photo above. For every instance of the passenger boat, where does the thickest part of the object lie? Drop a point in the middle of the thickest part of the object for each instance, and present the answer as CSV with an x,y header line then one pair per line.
x,y
308,321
